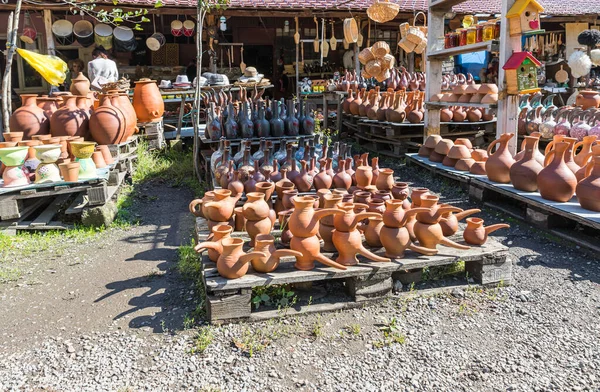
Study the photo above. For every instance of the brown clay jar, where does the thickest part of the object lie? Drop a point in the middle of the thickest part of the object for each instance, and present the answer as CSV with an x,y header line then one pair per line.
x,y
218,233
385,180
449,221
498,164
107,123
556,181
147,101
364,176
373,232
396,240
588,189
524,172
476,234
69,120
233,263
220,209
29,118
265,243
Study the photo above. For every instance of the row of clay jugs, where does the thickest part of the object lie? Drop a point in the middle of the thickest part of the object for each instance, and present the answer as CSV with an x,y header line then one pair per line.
x,y
347,239
72,118
326,226
498,164
557,181
476,234
396,111
569,157
427,229
355,105
449,221
147,101
304,226
233,263
29,118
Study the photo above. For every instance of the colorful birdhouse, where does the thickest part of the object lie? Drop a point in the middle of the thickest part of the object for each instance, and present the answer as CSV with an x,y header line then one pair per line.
x,y
521,73
524,17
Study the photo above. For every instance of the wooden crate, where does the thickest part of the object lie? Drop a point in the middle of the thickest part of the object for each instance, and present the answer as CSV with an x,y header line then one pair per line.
x,y
154,133
229,300
123,150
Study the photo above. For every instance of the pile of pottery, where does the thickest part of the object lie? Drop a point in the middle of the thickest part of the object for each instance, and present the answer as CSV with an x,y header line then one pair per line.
x,y
566,121
392,106
249,117
399,79
376,209
463,89
557,175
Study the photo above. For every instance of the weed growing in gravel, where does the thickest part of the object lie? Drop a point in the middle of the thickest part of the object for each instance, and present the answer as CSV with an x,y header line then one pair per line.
x,y
275,295
210,388
391,333
202,340
252,341
354,329
317,329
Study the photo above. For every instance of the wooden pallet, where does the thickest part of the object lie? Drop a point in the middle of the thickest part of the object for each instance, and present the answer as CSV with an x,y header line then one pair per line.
x,y
123,150
390,148
229,300
154,133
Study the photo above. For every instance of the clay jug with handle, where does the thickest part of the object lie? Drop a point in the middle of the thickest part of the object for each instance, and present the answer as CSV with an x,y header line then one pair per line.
x,y
556,181
588,189
524,172
498,164
233,262
476,234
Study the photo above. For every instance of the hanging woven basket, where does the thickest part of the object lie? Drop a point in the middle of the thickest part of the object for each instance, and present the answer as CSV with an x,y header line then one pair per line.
x,y
382,11
350,30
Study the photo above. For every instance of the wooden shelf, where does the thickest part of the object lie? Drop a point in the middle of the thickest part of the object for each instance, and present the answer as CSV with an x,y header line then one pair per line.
x,y
490,46
443,5
468,105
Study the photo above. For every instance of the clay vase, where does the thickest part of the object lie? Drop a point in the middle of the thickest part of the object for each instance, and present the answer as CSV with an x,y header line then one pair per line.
x,y
556,181
416,195
265,243
220,209
129,114
347,239
385,180
304,181
427,228
286,234
236,186
304,225
588,189
322,180
69,171
375,167
449,221
80,85
69,120
498,164
341,179
585,153
29,118
400,192
373,232
356,103
476,234
107,123
288,196
218,233
326,225
346,103
256,207
523,173
147,101
49,106
233,262
588,99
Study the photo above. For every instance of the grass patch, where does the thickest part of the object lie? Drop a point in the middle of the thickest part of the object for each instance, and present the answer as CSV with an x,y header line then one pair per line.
x,y
278,296
443,271
391,334
253,341
202,340
190,267
354,329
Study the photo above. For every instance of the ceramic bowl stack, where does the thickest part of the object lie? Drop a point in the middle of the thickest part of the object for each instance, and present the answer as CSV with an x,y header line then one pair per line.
x,y
486,93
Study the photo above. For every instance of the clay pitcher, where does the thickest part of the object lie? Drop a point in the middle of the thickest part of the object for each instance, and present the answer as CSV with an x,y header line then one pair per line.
x,y
523,173
220,209
347,102
476,234
427,228
582,157
449,221
385,180
373,232
356,103
556,181
588,189
233,262
498,164
107,123
341,178
147,101
364,176
29,118
215,248
265,243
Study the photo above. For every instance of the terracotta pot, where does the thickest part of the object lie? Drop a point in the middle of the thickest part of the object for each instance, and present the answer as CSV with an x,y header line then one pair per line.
x,y
330,201
233,262
364,176
286,234
309,247
464,164
304,181
400,192
385,180
427,228
49,106
304,221
13,137
459,151
236,186
256,207
424,152
29,119
69,120
341,179
41,138
220,209
498,164
377,206
436,157
588,99
432,141
373,232
214,242
361,197
239,220
107,124
478,168
98,159
69,171
479,155
395,215
265,243
147,101
257,227
588,189
321,193
416,195
80,85
583,156
476,234
129,114
556,181
287,198
449,221
396,240
523,173
105,153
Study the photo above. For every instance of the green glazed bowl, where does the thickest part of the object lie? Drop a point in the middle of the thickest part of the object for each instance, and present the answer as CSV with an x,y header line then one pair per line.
x,y
13,156
47,153
82,150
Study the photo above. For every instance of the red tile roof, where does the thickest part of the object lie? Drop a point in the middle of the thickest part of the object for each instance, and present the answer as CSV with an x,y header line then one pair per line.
x,y
517,58
552,7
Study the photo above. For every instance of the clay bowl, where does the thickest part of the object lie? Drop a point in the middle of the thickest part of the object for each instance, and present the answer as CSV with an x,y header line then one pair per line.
x,y
476,98
449,97
432,141
478,167
479,155
465,98
460,89
424,151
459,151
450,162
436,97
444,146
472,88
435,157
47,153
464,164
464,142
83,150
488,88
13,156
490,98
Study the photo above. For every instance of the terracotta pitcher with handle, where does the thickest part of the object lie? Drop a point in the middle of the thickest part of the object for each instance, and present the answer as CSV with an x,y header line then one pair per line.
x,y
498,164
233,263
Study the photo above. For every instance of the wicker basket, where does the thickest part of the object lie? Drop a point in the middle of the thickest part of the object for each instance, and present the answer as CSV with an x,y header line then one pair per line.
x,y
380,49
407,45
382,11
415,33
350,30
373,67
382,76
404,29
420,48
365,74
388,61
365,55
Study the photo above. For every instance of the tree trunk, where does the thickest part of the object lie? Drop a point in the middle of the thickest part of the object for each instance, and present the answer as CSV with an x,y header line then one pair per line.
x,y
11,39
200,14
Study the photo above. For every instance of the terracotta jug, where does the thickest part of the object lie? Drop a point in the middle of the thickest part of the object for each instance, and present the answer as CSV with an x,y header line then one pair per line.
x,y
385,180
265,243
347,239
383,105
373,107
396,240
569,159
130,116
588,189
233,262
498,164
304,181
357,102
582,157
476,234
416,195
588,99
147,101
107,123
556,181
537,154
235,185
346,103
29,118
427,228
322,180
449,221
219,233
396,216
326,225
375,167
220,209
49,106
342,179
286,234
523,173
373,232
69,120
80,85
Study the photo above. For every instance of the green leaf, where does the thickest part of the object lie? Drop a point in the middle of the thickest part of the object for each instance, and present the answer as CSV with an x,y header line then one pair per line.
x,y
138,27
264,297
117,19
144,19
145,11
290,293
115,2
255,300
158,4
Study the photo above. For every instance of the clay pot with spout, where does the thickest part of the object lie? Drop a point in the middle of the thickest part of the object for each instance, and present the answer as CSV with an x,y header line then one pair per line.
x,y
476,234
322,180
356,103
569,160
556,181
233,262
220,209
347,239
147,101
427,228
582,157
219,233
373,107
449,221
498,164
524,172
265,243
347,102
397,113
373,232
326,227
446,114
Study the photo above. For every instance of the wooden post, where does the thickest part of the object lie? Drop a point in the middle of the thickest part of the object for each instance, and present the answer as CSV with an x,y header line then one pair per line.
x,y
508,105
11,39
48,31
433,70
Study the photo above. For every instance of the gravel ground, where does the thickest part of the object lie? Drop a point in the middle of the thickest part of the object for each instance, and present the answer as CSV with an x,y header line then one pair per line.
x,y
541,334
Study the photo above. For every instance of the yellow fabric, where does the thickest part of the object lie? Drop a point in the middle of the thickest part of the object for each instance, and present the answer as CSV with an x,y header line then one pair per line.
x,y
520,5
53,69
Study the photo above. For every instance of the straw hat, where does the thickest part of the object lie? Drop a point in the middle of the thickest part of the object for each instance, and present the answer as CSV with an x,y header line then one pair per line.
x,y
382,11
250,72
350,30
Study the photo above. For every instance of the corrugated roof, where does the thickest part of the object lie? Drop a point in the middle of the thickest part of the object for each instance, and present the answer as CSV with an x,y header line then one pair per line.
x,y
552,7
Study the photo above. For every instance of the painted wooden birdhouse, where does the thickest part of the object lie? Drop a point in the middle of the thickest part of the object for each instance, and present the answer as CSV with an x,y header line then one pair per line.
x,y
524,17
521,73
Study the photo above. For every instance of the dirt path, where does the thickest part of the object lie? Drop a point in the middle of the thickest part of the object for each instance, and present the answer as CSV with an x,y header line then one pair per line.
x,y
122,279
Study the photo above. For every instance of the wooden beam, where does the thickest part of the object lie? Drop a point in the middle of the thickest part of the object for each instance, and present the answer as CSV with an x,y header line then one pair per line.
x,y
433,70
48,31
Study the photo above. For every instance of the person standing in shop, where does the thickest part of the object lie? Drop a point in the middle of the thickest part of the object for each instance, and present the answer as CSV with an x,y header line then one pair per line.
x,y
102,67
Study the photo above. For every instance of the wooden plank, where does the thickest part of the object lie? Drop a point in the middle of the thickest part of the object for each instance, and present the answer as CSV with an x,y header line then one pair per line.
x,y
365,289
10,208
46,216
77,205
434,105
490,46
234,307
